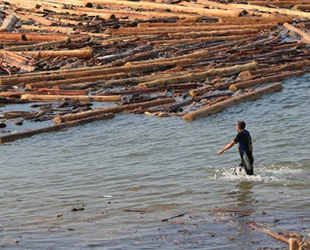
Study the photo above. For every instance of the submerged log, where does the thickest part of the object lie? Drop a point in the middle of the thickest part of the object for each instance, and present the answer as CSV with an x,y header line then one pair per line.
x,y
113,109
232,101
20,135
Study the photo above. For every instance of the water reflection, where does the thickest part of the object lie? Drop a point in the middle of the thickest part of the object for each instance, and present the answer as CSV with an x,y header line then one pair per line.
x,y
245,197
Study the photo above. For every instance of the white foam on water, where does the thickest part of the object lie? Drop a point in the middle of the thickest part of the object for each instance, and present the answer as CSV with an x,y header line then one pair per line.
x,y
281,173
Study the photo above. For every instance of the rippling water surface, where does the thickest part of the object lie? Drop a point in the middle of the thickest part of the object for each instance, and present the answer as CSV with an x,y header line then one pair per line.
x,y
124,176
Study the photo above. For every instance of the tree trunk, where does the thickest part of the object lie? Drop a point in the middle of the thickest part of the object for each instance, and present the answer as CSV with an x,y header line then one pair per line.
x,y
199,76
218,107
255,82
31,97
113,109
20,135
78,53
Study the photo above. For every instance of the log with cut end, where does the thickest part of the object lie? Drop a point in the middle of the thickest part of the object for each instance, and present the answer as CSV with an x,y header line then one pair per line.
x,y
218,107
31,97
113,109
20,135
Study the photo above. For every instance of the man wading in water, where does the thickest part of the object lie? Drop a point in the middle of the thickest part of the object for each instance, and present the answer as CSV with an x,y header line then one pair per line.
x,y
245,147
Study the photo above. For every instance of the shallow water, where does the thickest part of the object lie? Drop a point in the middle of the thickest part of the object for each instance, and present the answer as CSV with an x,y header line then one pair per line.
x,y
166,167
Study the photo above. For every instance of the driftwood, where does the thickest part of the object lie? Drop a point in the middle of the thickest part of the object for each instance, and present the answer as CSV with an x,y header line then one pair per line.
x,y
114,109
199,76
232,101
19,135
31,97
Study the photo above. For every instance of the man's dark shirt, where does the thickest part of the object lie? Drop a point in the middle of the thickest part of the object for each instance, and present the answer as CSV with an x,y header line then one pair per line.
x,y
245,142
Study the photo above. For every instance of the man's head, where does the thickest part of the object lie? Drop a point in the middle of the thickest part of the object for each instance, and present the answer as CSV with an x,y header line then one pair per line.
x,y
240,125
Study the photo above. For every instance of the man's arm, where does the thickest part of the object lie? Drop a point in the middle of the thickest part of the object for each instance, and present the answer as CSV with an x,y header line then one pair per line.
x,y
228,146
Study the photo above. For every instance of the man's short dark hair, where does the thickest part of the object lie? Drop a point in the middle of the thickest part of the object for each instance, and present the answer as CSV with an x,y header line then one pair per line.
x,y
241,124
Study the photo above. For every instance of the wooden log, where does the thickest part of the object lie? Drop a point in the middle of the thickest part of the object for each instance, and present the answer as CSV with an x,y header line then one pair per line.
x,y
32,37
36,97
253,20
273,235
8,23
20,135
171,7
64,30
305,36
37,45
255,82
295,13
17,60
198,76
293,243
113,109
218,107
86,53
86,72
85,80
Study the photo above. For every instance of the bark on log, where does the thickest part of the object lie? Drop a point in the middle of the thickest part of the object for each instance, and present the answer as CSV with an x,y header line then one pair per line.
x,y
31,97
20,135
113,109
8,23
199,76
218,107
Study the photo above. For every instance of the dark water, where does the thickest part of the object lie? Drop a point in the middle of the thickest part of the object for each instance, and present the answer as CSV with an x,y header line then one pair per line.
x,y
164,166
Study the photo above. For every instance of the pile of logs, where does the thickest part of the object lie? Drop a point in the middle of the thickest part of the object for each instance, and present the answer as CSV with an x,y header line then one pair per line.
x,y
155,57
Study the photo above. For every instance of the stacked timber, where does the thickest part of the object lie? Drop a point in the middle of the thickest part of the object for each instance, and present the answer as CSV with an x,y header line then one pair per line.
x,y
163,58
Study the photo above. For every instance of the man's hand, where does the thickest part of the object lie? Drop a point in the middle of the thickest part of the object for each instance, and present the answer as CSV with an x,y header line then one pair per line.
x,y
220,151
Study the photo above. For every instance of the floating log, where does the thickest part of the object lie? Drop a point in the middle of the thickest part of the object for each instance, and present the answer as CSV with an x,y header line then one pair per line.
x,y
79,53
199,76
171,7
85,72
31,97
113,109
20,135
17,60
295,13
218,107
255,82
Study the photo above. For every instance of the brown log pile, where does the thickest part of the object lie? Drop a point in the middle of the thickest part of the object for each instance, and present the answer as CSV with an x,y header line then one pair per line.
x,y
164,58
